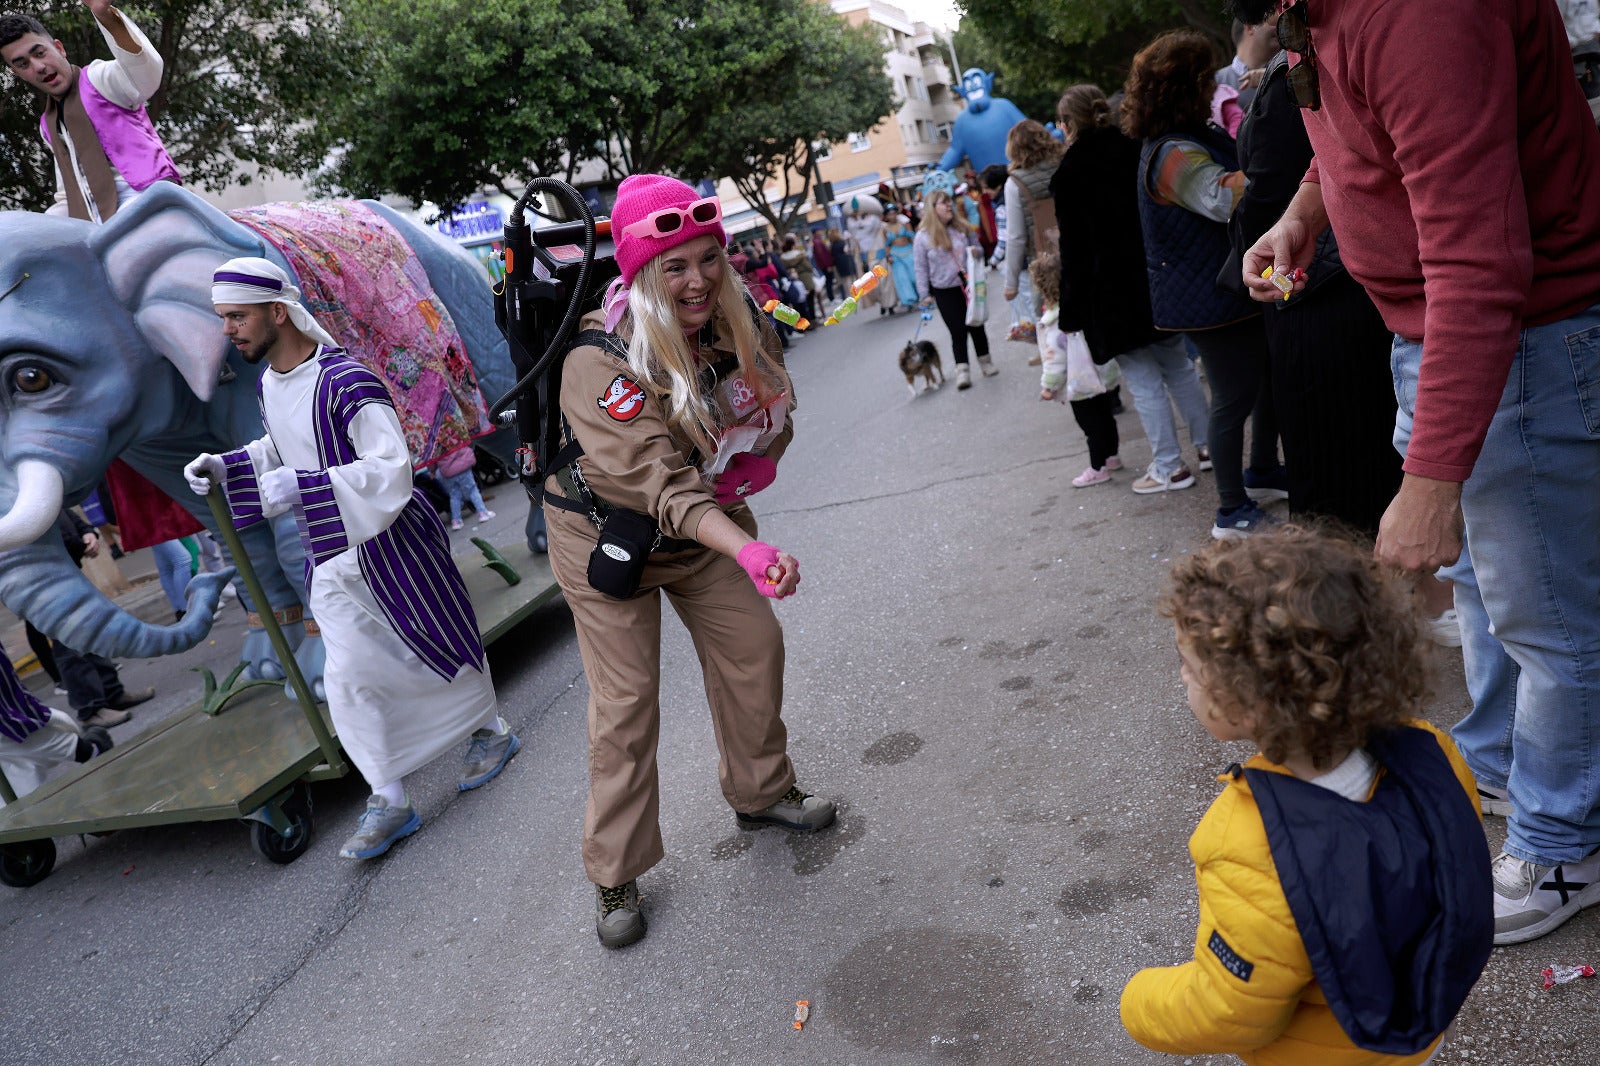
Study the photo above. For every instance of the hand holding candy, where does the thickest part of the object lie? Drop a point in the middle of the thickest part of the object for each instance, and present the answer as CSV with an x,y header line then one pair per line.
x,y
1286,281
775,573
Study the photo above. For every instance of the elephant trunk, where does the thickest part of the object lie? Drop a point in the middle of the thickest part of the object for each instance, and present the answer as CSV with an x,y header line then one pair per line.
x,y
40,583
35,506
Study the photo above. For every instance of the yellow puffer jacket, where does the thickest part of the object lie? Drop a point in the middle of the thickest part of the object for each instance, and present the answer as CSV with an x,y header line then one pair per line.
x,y
1278,1017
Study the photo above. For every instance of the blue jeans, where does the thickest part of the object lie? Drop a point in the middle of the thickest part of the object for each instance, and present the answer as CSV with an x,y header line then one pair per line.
x,y
1530,621
174,569
1154,373
463,488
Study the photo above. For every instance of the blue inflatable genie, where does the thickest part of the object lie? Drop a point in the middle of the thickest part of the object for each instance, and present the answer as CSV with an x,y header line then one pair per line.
x,y
980,131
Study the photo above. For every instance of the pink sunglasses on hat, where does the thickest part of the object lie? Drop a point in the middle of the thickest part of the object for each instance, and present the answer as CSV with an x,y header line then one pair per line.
x,y
670,220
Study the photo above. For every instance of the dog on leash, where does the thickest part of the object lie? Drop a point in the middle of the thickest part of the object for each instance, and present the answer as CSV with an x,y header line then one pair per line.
x,y
921,359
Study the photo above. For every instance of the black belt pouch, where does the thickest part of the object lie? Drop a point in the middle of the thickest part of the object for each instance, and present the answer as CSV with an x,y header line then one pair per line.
x,y
617,562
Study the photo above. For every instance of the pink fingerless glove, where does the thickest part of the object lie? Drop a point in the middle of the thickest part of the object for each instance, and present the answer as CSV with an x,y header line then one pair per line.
x,y
756,557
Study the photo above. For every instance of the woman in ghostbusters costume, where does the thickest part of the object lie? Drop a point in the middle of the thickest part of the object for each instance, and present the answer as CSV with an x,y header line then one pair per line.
x,y
676,401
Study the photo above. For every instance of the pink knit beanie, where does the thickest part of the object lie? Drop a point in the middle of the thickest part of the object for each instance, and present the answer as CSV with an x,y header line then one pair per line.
x,y
641,194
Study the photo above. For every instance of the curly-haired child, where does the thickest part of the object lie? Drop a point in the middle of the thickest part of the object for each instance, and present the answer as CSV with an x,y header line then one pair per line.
x,y
1092,399
1345,901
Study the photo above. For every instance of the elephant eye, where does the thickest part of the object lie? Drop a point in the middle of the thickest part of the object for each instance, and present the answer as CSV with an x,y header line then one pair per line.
x,y
32,379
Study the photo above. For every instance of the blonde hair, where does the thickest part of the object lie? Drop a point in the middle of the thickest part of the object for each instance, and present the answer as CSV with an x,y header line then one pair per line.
x,y
1045,270
661,359
938,233
1030,144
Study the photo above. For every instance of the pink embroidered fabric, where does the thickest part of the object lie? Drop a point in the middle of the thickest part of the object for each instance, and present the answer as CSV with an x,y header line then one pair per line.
x,y
366,287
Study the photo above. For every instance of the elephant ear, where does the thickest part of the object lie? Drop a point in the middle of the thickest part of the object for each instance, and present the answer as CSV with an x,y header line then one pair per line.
x,y
159,252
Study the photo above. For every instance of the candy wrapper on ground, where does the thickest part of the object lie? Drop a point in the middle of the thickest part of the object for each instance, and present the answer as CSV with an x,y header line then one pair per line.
x,y
1560,975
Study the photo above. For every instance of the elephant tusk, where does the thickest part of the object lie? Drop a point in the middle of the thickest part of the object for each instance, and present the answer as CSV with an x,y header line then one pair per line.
x,y
36,507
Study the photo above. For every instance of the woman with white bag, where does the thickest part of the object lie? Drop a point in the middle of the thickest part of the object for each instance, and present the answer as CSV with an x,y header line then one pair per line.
x,y
940,254
1069,374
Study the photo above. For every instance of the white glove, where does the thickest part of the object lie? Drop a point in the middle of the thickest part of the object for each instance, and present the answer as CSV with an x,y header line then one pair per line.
x,y
203,470
280,488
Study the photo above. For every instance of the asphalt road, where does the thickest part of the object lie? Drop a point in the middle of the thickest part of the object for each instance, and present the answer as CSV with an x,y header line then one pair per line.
x,y
975,671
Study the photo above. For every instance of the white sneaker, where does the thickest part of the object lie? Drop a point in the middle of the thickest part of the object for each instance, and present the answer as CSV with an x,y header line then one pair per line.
x,y
963,376
1494,801
1445,630
1154,482
987,366
1531,900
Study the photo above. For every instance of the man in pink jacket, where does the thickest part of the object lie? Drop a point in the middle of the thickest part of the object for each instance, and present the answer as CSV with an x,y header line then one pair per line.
x,y
106,149
1475,228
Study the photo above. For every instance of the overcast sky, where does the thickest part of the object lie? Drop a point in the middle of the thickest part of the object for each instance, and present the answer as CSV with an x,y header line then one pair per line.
x,y
933,12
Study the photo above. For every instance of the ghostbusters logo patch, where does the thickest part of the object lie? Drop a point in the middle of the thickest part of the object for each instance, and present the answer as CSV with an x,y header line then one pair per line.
x,y
623,399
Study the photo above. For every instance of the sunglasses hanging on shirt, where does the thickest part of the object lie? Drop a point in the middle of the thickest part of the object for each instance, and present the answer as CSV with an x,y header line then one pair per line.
x,y
1294,33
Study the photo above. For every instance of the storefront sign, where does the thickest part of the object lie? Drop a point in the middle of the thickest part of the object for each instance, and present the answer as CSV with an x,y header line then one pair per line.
x,y
473,222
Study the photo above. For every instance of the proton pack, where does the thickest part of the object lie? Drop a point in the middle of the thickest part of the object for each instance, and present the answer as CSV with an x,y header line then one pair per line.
x,y
551,281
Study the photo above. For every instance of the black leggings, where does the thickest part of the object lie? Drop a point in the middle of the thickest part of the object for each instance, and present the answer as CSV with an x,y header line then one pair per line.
x,y
1236,363
1099,426
953,309
41,651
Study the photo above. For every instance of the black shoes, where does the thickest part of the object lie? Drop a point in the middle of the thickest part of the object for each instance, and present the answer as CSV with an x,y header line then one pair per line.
x,y
617,917
797,810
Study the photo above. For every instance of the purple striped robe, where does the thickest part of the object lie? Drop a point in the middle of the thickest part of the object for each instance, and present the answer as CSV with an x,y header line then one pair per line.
x,y
408,566
21,714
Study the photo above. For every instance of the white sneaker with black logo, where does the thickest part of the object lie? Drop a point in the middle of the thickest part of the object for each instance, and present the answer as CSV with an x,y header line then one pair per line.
x,y
1531,900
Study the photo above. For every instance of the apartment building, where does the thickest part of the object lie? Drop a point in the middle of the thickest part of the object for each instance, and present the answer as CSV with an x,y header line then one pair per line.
x,y
898,150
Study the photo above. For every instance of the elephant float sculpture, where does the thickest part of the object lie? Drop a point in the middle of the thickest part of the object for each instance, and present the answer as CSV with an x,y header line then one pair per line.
x,y
109,347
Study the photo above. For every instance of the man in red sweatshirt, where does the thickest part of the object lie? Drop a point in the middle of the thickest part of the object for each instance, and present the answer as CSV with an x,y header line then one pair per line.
x,y
1473,220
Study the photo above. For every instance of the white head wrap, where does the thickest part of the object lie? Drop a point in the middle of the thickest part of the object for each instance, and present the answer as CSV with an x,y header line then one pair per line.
x,y
249,280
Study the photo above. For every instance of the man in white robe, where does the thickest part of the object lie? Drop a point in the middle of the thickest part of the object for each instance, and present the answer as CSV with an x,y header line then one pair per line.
x,y
406,676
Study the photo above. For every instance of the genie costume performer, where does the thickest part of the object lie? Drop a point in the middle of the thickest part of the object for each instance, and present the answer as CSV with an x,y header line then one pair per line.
x,y
980,131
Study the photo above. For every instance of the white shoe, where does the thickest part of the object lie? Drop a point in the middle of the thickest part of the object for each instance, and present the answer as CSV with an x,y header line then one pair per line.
x,y
1531,900
1154,482
1494,801
1445,630
987,366
963,376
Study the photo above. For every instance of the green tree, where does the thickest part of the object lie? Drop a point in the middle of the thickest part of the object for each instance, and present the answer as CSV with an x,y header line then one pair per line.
x,y
242,78
458,95
1050,44
826,80
464,94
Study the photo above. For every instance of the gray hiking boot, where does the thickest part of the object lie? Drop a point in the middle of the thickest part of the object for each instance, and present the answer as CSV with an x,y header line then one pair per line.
x,y
617,917
797,810
379,828
487,755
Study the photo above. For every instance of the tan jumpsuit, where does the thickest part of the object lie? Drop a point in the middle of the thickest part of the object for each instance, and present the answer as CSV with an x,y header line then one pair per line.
x,y
631,460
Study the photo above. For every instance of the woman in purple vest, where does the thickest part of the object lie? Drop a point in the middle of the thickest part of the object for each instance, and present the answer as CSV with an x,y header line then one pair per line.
x,y
106,149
